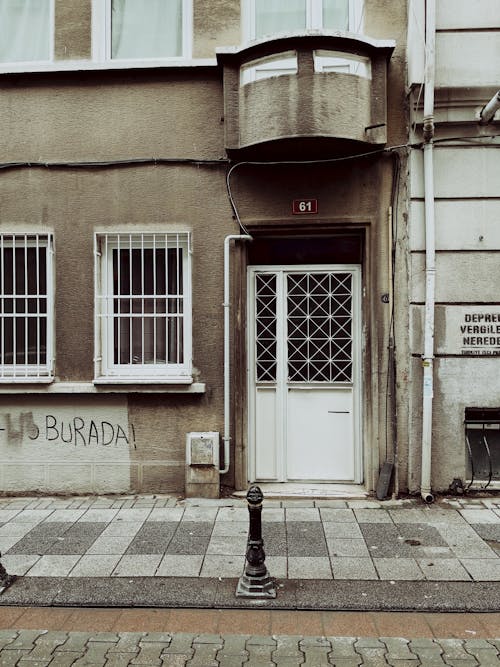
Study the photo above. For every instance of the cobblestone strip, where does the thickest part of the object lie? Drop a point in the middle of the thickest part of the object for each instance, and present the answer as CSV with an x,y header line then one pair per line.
x,y
486,653
260,650
428,651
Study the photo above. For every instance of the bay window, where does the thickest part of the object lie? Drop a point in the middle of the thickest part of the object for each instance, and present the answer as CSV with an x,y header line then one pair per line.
x,y
143,307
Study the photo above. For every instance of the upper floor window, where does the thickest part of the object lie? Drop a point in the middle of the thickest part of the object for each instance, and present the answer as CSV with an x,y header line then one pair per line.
x,y
26,32
26,307
268,17
148,29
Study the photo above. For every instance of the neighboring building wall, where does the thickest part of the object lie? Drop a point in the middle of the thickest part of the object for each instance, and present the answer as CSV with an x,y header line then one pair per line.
x,y
467,208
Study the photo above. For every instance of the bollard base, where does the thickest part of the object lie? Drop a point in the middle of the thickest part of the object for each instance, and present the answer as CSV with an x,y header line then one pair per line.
x,y
7,581
256,586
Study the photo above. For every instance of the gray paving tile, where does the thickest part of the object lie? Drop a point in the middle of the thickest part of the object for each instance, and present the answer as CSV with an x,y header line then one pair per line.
x,y
64,515
94,566
7,515
18,529
117,528
19,564
353,568
77,539
302,514
306,538
227,546
482,569
385,541
227,528
153,537
53,566
410,515
168,514
398,569
40,538
179,566
132,514
198,528
277,566
105,545
188,544
142,565
479,516
372,516
222,566
203,514
443,569
337,515
232,514
32,516
309,568
355,548
275,540
271,515
342,530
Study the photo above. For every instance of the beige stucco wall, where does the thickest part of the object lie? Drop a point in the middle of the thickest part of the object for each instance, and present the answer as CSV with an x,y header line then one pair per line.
x,y
171,113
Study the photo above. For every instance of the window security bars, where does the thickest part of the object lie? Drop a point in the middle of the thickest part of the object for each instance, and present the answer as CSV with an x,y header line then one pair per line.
x,y
143,306
26,307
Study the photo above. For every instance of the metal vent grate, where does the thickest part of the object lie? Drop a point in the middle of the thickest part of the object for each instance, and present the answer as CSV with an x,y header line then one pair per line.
x,y
482,440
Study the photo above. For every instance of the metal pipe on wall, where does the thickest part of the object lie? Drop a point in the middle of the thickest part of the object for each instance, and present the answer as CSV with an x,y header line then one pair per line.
x,y
227,349
430,251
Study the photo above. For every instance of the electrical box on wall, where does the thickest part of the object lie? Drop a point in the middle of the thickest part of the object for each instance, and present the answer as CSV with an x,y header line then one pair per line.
x,y
202,449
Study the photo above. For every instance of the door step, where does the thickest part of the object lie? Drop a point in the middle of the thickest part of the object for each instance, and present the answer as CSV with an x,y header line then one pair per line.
x,y
304,490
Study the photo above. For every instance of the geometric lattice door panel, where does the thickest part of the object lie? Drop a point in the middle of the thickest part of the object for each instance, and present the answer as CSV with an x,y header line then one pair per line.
x,y
304,392
319,321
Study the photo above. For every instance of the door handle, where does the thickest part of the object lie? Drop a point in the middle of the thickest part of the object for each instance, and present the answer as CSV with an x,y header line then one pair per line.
x,y
338,412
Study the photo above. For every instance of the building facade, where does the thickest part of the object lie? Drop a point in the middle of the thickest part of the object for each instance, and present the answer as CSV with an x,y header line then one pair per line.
x,y
454,243
212,250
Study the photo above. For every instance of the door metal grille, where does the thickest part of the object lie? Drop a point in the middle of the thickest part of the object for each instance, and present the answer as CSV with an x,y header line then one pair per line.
x,y
266,301
319,327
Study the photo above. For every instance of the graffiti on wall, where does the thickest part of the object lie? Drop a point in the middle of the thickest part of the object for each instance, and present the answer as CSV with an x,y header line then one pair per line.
x,y
74,431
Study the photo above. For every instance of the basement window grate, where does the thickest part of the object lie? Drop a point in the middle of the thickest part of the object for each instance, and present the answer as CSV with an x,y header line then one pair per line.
x,y
482,441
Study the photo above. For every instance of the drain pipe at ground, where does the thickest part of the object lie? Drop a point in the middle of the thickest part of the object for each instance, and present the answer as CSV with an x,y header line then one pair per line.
x,y
227,351
430,251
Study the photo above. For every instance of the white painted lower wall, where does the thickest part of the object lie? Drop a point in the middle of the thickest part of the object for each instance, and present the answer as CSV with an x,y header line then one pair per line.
x,y
65,445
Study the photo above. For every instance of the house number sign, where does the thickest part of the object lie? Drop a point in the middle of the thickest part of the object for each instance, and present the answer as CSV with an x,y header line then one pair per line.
x,y
304,206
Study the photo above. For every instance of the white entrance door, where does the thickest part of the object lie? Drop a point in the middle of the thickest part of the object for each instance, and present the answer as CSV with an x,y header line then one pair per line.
x,y
304,384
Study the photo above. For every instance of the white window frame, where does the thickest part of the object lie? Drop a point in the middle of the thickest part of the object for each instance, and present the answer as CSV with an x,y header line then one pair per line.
x,y
20,64
265,68
101,35
37,372
314,17
336,61
106,371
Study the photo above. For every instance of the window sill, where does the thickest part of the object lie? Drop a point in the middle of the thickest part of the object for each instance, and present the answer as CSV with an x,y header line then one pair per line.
x,y
6,379
105,388
95,66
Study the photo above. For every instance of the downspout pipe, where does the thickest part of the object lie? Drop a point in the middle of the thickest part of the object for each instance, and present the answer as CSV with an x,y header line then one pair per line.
x,y
430,251
227,349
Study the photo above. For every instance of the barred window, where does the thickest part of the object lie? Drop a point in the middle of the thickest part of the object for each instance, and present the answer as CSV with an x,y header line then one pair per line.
x,y
26,307
143,307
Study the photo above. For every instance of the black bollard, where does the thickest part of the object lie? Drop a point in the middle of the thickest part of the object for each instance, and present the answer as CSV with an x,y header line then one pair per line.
x,y
5,579
255,582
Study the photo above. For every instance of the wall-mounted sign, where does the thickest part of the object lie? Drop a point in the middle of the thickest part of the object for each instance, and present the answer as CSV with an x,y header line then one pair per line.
x,y
304,206
480,332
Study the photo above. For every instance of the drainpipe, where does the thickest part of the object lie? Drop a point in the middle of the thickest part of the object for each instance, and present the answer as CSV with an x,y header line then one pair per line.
x,y
430,251
227,360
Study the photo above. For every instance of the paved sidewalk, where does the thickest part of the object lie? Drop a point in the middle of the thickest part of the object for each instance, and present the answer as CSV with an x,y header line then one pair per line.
x,y
161,551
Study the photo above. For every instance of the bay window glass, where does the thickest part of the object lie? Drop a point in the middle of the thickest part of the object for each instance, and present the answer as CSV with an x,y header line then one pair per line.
x,y
25,30
273,16
146,29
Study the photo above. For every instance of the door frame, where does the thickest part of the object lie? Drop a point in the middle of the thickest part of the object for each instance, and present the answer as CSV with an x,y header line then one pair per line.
x,y
356,271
